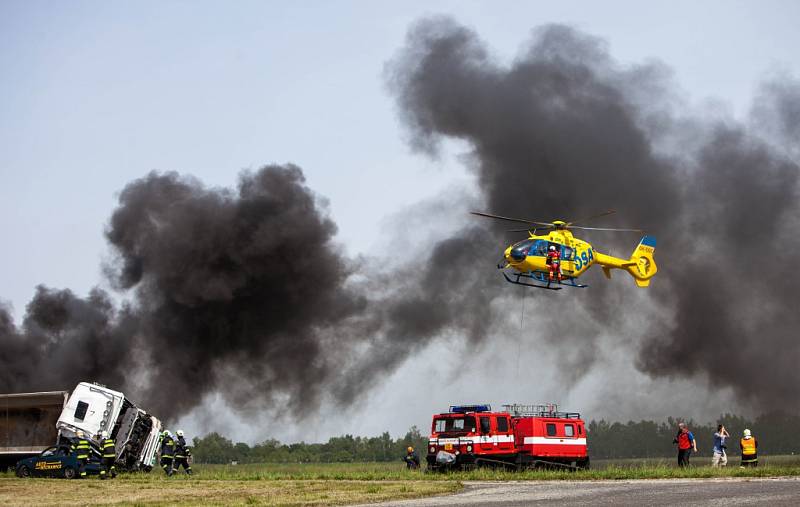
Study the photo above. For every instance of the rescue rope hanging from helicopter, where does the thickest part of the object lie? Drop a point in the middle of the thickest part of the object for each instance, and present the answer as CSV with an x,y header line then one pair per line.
x,y
519,337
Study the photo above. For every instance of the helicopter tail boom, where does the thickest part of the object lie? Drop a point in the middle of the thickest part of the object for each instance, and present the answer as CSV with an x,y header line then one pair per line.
x,y
641,265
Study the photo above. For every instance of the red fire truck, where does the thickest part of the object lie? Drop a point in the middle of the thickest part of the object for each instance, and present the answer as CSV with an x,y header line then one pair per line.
x,y
519,437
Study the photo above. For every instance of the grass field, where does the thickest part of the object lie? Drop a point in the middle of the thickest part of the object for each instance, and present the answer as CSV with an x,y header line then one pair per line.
x,y
334,483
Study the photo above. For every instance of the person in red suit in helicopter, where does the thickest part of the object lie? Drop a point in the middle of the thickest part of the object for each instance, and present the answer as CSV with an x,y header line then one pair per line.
x,y
554,261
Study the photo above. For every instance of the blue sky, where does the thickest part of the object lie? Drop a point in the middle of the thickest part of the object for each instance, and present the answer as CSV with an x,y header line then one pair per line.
x,y
96,94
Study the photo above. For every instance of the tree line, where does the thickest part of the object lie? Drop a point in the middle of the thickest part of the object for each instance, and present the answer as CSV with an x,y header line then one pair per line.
x,y
214,448
776,433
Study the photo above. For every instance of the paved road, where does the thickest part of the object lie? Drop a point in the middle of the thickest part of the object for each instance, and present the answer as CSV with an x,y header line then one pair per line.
x,y
722,492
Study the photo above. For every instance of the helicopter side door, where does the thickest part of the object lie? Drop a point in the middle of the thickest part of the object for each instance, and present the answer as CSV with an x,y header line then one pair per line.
x,y
567,260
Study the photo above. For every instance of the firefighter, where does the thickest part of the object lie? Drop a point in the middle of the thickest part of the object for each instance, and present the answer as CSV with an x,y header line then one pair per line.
x,y
554,261
107,466
167,452
749,446
182,454
411,459
82,450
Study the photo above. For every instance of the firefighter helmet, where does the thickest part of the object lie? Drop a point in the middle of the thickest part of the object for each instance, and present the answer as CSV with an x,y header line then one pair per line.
x,y
552,248
410,449
179,433
80,434
747,433
104,434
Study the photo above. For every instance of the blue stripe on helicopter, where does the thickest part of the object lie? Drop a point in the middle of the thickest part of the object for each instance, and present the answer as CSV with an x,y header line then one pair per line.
x,y
648,241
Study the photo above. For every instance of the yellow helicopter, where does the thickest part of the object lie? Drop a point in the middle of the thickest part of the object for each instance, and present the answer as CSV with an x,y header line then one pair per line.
x,y
530,260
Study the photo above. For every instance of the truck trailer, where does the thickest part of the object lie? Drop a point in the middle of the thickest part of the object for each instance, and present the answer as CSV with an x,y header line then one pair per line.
x,y
28,424
32,422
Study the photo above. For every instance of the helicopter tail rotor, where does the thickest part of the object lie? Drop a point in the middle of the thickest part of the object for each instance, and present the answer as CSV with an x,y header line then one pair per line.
x,y
642,265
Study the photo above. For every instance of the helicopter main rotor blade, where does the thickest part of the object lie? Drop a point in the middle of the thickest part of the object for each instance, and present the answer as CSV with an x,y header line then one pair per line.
x,y
487,215
605,229
603,214
520,220
525,230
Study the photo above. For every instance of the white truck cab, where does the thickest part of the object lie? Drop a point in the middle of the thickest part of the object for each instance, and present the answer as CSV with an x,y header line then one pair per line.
x,y
93,408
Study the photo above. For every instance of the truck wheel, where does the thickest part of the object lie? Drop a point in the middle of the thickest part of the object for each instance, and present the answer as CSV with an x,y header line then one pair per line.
x,y
23,471
70,473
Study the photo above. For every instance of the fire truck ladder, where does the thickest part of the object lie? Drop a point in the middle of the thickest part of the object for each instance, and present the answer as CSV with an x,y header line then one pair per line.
x,y
541,410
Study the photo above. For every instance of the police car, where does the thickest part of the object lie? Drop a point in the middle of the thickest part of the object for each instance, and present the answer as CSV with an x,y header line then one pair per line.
x,y
54,462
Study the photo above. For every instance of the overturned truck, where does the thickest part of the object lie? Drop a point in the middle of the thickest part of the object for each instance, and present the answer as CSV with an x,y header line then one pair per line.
x,y
32,422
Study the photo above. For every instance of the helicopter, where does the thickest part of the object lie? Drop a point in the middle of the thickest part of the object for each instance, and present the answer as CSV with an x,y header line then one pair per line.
x,y
526,262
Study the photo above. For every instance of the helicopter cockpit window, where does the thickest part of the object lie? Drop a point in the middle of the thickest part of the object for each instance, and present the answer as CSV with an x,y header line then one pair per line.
x,y
520,250
566,253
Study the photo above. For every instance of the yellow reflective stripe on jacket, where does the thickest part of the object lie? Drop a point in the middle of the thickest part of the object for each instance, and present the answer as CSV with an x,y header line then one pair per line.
x,y
108,448
83,448
748,446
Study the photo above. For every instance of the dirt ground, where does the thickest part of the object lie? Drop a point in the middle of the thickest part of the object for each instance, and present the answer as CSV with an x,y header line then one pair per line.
x,y
44,492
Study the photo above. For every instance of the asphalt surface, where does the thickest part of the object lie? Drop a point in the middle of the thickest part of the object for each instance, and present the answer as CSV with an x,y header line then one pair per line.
x,y
774,492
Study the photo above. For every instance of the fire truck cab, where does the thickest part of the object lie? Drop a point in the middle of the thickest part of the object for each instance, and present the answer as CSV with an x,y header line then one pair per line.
x,y
521,436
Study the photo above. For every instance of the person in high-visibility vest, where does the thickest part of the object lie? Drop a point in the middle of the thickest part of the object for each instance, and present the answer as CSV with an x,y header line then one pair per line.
x,y
81,447
749,446
109,456
167,452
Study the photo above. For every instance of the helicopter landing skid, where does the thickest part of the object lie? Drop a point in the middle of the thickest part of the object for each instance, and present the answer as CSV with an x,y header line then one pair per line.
x,y
543,280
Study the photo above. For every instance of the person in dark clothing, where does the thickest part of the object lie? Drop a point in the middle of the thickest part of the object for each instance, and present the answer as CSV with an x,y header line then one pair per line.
x,y
411,459
686,444
167,452
182,454
109,456
81,447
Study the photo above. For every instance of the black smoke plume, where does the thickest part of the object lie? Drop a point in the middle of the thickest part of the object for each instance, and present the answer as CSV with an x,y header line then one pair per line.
x,y
245,292
564,131
232,293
